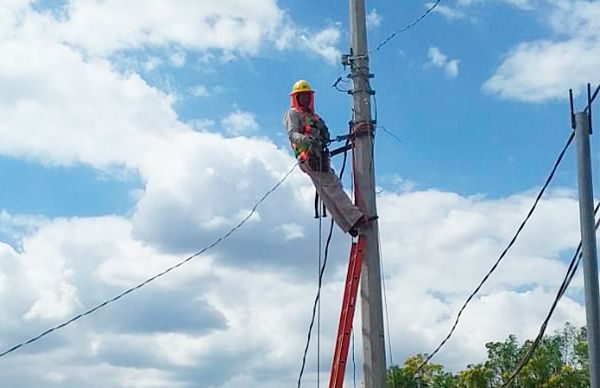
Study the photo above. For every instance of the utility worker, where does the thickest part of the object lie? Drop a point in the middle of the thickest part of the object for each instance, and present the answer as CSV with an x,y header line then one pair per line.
x,y
309,137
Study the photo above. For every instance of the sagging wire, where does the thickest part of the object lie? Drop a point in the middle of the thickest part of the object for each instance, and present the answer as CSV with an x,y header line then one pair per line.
x,y
320,283
386,309
561,291
502,255
390,133
160,274
571,270
377,125
319,308
320,214
409,26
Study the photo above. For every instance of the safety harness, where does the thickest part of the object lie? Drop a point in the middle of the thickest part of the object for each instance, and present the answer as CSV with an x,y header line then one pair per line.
x,y
310,121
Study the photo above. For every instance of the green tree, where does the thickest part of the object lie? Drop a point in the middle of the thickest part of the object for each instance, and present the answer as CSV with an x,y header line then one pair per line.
x,y
559,361
475,376
432,375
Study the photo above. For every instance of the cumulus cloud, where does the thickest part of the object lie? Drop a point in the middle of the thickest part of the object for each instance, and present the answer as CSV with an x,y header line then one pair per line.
x,y
239,123
448,12
373,18
543,70
193,324
441,60
546,69
323,43
199,91
521,4
228,25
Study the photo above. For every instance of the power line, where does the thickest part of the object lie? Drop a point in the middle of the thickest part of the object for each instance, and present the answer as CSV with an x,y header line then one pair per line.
x,y
315,304
502,255
140,285
392,134
322,271
561,291
409,26
320,214
385,305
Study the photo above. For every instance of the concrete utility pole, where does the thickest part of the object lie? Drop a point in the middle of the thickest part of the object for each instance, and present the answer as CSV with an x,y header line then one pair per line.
x,y
374,369
588,238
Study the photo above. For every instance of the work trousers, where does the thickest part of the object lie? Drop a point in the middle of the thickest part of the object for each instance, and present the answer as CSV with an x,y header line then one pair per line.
x,y
329,188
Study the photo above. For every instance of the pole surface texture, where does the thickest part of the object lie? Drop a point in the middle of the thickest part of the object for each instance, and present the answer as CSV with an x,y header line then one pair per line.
x,y
588,238
374,367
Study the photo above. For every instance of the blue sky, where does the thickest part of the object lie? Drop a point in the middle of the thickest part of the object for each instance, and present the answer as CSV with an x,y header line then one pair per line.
x,y
135,133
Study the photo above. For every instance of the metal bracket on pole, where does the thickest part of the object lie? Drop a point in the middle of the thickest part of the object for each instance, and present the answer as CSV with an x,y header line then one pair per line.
x,y
370,92
346,60
341,149
589,104
572,109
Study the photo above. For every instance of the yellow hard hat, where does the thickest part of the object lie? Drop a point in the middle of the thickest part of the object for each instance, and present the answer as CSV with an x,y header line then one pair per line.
x,y
301,86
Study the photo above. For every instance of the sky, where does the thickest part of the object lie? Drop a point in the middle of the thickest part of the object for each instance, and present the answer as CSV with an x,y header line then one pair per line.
x,y
135,133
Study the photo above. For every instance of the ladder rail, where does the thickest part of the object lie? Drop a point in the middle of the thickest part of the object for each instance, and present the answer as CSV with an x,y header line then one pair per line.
x,y
340,355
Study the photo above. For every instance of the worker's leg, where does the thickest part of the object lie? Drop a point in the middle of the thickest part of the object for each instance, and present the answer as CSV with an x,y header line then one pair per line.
x,y
329,187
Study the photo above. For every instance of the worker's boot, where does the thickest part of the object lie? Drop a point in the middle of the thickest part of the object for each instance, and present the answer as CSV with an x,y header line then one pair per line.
x,y
361,225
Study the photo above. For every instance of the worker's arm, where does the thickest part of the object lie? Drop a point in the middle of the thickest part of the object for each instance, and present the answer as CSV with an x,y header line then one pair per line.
x,y
293,125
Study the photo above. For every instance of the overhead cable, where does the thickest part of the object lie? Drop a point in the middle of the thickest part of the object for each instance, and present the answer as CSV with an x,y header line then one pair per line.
x,y
145,282
502,255
409,26
320,283
561,291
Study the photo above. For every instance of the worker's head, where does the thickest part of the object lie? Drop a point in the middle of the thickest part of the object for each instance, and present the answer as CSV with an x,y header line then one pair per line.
x,y
302,96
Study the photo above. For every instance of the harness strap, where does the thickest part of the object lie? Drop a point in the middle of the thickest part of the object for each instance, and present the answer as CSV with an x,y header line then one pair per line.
x,y
301,152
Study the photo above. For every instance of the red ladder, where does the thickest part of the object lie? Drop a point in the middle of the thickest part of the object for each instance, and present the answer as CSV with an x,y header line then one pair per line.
x,y
340,356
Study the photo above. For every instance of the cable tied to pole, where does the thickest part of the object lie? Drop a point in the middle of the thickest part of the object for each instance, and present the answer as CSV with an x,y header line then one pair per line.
x,y
363,128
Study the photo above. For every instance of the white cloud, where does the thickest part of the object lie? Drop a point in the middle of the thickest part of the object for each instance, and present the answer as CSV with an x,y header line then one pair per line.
x,y
292,231
439,59
239,123
42,86
177,59
230,25
546,69
152,330
521,4
448,12
199,91
192,325
141,117
323,43
103,28
373,19
152,63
